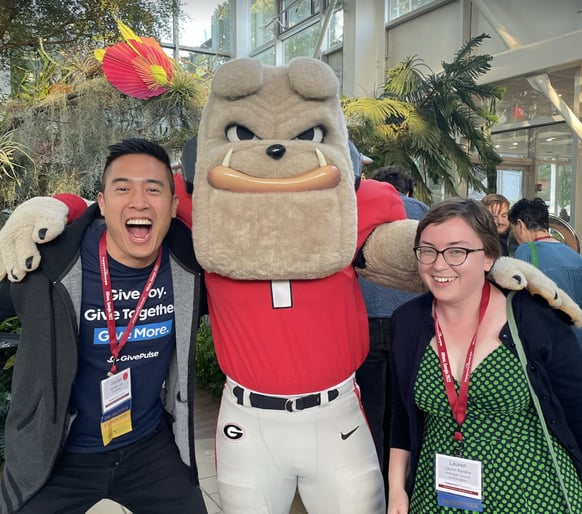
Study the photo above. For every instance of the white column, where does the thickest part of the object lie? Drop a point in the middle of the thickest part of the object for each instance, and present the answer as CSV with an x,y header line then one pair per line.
x,y
363,47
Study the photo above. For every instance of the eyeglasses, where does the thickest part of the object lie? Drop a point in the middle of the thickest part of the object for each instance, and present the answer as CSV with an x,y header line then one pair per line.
x,y
453,256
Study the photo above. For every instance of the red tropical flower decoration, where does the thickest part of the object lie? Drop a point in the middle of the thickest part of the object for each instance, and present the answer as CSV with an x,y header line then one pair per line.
x,y
138,66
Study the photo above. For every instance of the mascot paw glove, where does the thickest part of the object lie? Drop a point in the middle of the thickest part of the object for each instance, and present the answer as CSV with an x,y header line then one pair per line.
x,y
515,274
38,220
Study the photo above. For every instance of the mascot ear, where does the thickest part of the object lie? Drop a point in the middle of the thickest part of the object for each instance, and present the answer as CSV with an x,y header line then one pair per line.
x,y
188,161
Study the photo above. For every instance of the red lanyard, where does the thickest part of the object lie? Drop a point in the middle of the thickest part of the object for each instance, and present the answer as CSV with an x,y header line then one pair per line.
x,y
459,403
115,345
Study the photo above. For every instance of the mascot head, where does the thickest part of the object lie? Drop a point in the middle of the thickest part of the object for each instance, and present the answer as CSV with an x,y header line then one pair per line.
x,y
274,186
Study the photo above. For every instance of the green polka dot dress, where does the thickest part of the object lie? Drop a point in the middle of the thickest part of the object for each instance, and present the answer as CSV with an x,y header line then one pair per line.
x,y
501,430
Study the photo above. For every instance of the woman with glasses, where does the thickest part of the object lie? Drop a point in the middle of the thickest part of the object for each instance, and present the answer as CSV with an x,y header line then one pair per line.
x,y
465,435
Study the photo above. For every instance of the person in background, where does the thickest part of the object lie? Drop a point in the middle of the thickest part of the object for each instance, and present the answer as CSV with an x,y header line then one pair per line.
x,y
400,178
372,376
530,225
481,421
102,394
498,206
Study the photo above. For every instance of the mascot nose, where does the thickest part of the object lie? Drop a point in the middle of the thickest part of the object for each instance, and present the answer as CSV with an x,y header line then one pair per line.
x,y
276,151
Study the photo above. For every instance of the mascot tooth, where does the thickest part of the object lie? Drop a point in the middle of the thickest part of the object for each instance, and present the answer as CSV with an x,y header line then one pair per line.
x,y
228,179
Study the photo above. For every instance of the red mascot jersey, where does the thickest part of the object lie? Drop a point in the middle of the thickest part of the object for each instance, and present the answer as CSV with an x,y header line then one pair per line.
x,y
298,336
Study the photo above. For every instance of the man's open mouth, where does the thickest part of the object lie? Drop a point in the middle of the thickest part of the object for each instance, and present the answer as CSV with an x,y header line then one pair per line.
x,y
139,228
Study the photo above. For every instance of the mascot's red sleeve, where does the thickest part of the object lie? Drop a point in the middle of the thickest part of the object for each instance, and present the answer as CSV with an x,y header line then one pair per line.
x,y
185,201
378,203
75,203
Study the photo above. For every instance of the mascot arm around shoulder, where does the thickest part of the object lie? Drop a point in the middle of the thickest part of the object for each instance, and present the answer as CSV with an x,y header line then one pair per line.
x,y
35,221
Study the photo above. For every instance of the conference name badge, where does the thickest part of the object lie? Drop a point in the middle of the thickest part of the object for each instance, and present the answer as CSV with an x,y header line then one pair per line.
x,y
116,406
459,483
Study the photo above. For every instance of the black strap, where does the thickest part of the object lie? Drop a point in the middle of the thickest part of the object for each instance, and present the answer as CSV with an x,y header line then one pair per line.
x,y
262,401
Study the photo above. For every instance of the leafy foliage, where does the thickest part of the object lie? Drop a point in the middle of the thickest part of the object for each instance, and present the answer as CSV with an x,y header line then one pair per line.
x,y
63,121
9,152
436,125
23,23
208,373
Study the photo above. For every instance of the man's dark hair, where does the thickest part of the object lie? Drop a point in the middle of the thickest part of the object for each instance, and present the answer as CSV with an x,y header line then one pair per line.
x,y
137,145
396,175
534,214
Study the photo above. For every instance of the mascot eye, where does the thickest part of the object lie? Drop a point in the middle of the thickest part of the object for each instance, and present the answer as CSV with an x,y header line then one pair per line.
x,y
315,134
236,133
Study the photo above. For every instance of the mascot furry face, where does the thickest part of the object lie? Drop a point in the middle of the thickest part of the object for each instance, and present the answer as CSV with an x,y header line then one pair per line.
x,y
273,192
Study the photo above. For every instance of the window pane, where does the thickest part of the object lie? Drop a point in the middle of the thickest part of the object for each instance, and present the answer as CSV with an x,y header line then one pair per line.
x,y
401,7
335,33
206,25
300,11
201,64
267,56
301,44
336,63
263,22
296,11
521,103
554,158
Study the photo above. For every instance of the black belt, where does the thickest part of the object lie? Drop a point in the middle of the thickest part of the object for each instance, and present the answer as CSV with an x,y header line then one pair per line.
x,y
262,401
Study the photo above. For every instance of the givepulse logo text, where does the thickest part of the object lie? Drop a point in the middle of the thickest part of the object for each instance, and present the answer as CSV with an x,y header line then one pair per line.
x,y
139,333
136,357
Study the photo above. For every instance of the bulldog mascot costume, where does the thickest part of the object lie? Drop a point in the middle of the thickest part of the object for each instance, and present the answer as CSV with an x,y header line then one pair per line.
x,y
277,226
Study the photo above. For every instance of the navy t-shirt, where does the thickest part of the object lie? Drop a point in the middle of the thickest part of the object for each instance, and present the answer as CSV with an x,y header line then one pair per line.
x,y
147,351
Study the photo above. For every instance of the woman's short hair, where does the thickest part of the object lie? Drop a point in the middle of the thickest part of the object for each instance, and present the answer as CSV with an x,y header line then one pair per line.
x,y
474,213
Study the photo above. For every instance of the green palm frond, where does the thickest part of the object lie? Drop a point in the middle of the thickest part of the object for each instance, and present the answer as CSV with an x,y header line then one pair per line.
x,y
447,134
406,81
372,113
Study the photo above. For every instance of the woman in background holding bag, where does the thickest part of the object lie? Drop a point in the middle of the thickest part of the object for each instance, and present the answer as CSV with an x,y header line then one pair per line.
x,y
465,433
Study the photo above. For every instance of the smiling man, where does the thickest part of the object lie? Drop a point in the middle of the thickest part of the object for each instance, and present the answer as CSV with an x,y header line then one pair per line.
x,y
107,325
498,206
